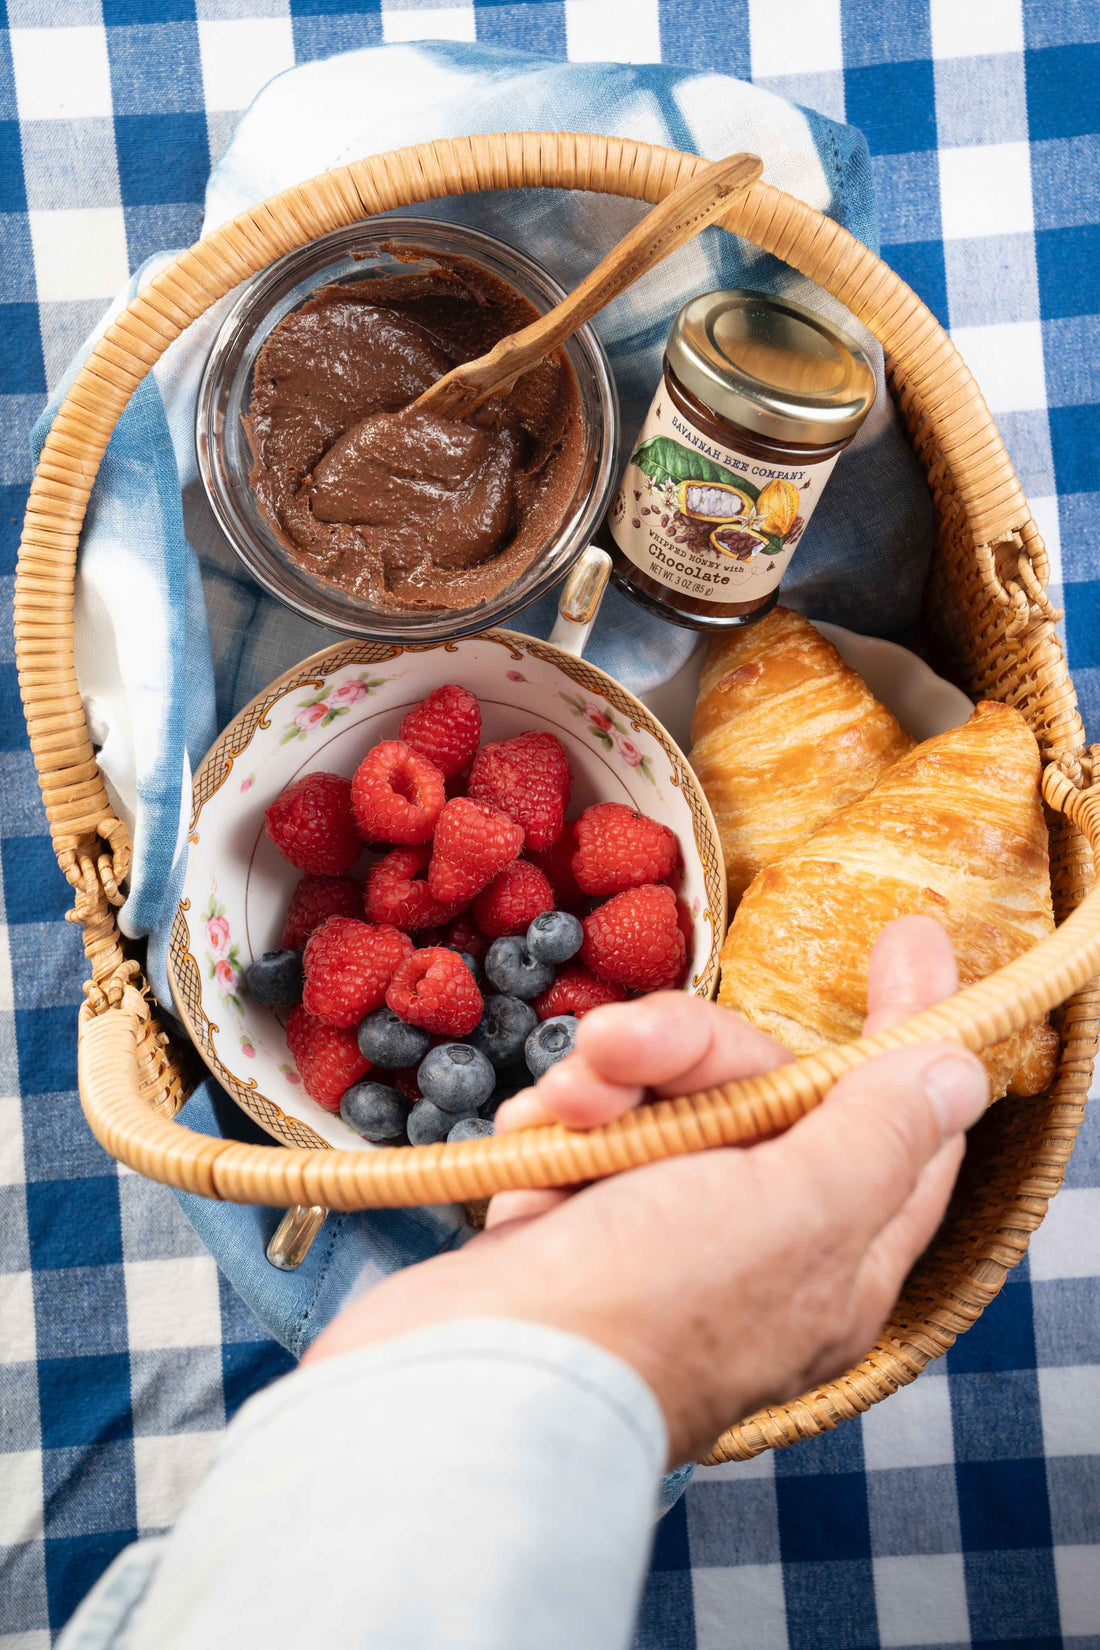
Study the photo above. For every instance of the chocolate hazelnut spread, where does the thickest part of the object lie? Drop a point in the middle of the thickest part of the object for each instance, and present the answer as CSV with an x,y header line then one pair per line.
x,y
400,507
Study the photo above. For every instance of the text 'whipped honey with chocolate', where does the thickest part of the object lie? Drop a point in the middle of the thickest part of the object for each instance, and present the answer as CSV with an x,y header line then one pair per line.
x,y
757,399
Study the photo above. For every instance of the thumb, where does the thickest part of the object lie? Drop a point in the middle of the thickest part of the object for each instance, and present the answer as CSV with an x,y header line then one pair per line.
x,y
912,966
858,1158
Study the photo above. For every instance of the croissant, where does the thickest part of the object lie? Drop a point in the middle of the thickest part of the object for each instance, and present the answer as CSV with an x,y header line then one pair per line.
x,y
954,830
784,734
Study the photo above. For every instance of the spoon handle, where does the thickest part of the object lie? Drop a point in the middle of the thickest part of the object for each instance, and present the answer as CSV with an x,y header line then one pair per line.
x,y
292,1239
672,223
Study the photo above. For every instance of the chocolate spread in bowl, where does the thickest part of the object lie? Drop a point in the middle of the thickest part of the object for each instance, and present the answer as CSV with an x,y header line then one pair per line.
x,y
410,510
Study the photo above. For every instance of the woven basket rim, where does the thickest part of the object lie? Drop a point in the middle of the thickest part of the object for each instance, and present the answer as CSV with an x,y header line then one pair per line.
x,y
130,1084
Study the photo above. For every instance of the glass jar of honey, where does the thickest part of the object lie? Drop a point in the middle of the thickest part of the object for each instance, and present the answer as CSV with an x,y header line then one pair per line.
x,y
758,396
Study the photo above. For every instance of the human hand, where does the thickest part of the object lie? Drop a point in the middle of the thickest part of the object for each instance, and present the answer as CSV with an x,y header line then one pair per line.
x,y
728,1278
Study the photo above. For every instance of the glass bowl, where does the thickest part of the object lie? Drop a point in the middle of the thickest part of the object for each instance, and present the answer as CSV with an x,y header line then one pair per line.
x,y
225,457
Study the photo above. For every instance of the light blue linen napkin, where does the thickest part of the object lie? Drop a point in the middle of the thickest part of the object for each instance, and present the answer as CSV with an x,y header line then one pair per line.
x,y
172,635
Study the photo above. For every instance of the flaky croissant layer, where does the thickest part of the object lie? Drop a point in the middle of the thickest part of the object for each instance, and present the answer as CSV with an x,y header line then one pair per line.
x,y
784,734
954,830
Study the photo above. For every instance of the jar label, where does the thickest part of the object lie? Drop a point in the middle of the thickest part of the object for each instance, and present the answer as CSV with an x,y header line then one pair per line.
x,y
705,520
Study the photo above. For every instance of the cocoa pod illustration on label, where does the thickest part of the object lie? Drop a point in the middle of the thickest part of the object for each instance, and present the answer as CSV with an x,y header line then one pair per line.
x,y
713,501
738,542
777,507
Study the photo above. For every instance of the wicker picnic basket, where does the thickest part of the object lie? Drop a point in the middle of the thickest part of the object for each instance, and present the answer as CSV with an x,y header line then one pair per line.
x,y
988,624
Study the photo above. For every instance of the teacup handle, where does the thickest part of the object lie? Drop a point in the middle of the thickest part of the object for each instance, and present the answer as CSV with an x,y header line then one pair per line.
x,y
579,600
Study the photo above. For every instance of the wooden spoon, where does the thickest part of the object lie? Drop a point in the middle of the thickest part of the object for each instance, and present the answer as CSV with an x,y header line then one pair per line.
x,y
678,218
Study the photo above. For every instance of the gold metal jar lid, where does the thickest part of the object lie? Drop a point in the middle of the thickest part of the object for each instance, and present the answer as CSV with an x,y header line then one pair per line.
x,y
771,366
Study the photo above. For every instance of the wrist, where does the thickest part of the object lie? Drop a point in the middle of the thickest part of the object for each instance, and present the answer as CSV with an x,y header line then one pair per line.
x,y
500,1276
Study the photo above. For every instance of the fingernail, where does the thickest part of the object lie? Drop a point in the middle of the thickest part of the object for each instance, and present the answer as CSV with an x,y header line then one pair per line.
x,y
958,1090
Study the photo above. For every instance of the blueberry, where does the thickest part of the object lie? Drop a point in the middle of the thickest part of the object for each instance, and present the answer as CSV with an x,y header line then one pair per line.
x,y
375,1111
275,979
549,1043
470,1128
387,1041
456,1077
555,937
504,1027
513,1078
469,959
513,970
509,1082
428,1123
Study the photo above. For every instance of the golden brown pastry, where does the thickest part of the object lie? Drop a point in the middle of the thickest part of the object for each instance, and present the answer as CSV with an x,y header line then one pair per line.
x,y
955,830
784,734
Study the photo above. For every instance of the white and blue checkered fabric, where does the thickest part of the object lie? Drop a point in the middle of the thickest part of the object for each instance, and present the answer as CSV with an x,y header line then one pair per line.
x,y
966,1510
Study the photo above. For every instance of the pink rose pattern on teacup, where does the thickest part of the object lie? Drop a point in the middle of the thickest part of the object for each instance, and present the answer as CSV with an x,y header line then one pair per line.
x,y
321,709
349,694
248,781
217,934
309,716
223,956
614,735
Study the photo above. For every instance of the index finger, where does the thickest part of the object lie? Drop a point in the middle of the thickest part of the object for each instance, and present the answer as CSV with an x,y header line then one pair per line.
x,y
674,1044
666,1043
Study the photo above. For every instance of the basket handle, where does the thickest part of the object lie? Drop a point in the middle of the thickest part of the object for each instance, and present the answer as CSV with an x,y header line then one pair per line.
x,y
735,1114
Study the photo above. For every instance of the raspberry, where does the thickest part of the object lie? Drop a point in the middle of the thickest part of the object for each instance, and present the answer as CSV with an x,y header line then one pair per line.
x,y
311,824
348,966
404,1081
463,935
528,778
397,891
473,843
327,1057
575,991
557,864
619,848
513,900
397,794
433,988
635,939
314,899
445,727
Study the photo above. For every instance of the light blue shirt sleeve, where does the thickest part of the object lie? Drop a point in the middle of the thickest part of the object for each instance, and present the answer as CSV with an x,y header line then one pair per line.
x,y
480,1485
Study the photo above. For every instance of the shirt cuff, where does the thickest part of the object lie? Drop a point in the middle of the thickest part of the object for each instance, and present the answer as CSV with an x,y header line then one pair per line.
x,y
479,1484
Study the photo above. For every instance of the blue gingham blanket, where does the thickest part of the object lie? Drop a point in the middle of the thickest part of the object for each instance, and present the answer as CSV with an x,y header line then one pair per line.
x,y
966,1509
